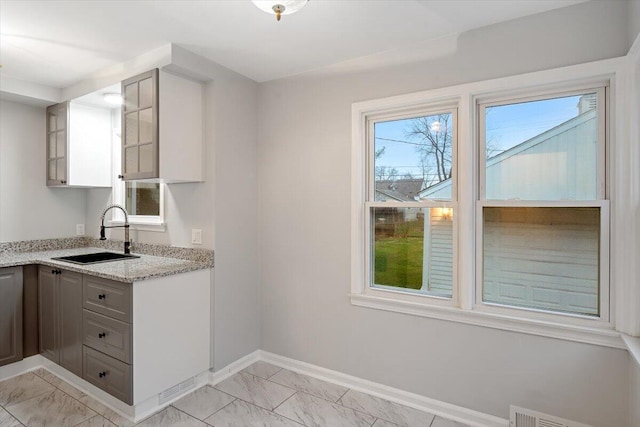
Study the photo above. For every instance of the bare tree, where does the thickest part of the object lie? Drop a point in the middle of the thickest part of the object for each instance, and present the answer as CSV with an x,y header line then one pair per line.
x,y
435,146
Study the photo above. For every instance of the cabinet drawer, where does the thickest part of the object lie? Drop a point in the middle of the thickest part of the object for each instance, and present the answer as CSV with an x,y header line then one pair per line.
x,y
109,374
107,297
107,335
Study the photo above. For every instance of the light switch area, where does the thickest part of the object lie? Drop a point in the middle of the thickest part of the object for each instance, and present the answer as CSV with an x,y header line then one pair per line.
x,y
196,236
79,229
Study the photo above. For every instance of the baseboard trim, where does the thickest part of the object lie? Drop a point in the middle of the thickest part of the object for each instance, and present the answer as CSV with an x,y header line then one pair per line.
x,y
234,367
443,409
18,368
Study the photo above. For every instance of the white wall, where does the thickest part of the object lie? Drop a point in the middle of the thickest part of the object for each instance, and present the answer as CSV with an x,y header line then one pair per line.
x,y
224,207
304,158
28,209
634,392
634,20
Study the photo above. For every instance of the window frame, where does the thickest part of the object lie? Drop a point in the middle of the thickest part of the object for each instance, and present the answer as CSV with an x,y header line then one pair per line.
x,y
370,202
600,201
562,326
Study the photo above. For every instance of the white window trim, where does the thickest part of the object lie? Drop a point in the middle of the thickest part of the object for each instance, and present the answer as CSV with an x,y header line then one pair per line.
x,y
465,309
137,222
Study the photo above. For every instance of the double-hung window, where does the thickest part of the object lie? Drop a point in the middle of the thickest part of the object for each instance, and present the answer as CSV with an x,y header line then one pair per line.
x,y
488,203
410,202
542,216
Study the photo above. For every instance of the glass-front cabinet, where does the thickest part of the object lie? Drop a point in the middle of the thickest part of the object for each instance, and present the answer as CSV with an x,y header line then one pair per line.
x,y
57,139
140,126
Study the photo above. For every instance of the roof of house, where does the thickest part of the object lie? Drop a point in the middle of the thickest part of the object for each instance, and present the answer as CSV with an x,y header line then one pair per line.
x,y
400,189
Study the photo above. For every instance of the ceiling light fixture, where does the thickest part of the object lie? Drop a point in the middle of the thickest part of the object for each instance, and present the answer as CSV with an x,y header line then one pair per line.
x,y
280,7
112,98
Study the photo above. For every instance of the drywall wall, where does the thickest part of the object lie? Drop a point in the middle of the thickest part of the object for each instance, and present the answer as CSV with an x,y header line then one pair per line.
x,y
634,392
28,208
224,207
304,158
634,20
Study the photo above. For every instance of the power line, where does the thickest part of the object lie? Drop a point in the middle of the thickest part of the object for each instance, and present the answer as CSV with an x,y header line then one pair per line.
x,y
397,140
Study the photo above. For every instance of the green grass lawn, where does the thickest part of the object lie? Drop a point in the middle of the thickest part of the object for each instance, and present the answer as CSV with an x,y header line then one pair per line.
x,y
398,261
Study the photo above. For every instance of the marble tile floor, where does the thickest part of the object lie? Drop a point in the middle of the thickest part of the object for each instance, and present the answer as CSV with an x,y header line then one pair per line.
x,y
262,395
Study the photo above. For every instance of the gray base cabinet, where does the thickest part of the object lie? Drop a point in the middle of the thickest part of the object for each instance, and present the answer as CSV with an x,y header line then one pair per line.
x,y
60,313
108,334
85,327
10,315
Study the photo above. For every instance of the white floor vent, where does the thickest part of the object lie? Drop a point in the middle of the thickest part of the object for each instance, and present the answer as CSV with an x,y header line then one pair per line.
x,y
521,417
177,389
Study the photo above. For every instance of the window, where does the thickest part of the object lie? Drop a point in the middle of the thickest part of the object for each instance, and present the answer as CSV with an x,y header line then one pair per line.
x,y
410,202
488,203
543,213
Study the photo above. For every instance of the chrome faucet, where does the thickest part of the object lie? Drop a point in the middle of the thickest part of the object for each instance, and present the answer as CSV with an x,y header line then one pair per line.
x,y
127,242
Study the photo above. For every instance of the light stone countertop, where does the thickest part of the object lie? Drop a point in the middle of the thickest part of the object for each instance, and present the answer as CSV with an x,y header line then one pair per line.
x,y
128,270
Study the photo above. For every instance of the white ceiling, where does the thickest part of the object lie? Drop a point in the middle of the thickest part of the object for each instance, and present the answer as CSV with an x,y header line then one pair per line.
x,y
57,43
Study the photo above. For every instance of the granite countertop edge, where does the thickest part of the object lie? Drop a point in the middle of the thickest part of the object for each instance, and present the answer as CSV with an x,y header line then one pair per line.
x,y
127,271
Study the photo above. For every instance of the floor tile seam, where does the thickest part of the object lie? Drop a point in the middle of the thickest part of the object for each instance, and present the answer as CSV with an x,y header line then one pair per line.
x,y
14,417
275,373
53,391
273,411
6,408
306,392
341,405
184,412
343,394
87,419
213,413
268,410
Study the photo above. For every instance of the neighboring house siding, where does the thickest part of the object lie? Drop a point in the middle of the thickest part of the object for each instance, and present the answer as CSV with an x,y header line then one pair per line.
x,y
570,158
517,241
440,269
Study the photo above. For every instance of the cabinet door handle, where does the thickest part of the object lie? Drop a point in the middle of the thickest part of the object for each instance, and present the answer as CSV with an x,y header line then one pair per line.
x,y
102,335
58,271
101,296
121,176
102,374
53,272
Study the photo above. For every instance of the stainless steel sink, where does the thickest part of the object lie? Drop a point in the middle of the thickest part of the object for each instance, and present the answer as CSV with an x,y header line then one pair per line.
x,y
95,258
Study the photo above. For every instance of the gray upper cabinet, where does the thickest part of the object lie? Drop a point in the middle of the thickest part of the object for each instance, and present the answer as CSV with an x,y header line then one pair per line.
x,y
140,126
60,312
10,315
57,141
162,128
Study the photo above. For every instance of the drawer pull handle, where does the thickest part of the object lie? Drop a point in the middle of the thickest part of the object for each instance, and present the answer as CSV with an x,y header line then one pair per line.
x,y
102,374
102,335
101,296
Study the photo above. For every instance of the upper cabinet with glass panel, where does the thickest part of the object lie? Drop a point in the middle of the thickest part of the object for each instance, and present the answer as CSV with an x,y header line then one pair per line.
x,y
78,145
162,120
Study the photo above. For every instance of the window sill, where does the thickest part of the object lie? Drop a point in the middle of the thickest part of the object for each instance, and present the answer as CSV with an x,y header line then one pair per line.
x,y
633,345
142,226
597,336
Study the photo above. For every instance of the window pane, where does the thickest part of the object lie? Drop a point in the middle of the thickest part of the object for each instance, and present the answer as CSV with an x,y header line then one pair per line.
x,y
142,198
413,250
542,150
543,258
413,158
